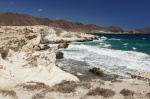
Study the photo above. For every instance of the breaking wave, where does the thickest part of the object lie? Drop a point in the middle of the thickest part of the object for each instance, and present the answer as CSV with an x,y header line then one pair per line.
x,y
112,61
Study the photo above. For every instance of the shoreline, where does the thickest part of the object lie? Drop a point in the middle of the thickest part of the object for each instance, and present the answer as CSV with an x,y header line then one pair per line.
x,y
31,72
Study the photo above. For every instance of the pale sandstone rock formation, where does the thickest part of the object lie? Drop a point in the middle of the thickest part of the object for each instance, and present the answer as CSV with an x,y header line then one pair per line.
x,y
55,35
29,65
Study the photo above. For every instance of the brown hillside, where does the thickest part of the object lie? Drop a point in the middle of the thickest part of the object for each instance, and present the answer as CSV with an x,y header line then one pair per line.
x,y
143,30
15,19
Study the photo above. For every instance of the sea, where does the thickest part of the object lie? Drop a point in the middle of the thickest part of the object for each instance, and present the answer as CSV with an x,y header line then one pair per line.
x,y
114,53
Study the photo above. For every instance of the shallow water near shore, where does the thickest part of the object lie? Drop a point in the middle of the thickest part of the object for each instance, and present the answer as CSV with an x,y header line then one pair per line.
x,y
81,56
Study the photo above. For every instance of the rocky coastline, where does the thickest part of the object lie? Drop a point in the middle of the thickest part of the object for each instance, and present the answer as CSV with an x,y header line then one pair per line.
x,y
28,68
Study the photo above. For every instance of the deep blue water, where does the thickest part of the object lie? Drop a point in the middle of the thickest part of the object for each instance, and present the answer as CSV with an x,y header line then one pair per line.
x,y
128,42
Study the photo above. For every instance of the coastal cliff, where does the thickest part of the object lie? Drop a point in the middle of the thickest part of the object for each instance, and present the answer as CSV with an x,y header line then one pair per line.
x,y
28,68
25,62
29,65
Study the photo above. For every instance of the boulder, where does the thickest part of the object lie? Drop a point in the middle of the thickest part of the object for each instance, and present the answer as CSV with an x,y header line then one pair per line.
x,y
63,45
44,47
96,37
4,52
89,39
98,71
59,55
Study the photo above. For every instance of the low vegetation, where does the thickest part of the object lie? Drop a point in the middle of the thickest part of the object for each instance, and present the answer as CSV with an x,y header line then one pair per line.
x,y
106,93
70,86
86,85
65,87
35,86
127,92
8,93
38,96
148,94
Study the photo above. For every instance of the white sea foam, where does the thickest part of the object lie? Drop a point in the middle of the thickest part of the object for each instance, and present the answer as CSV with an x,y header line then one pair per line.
x,y
143,38
103,38
80,74
112,61
134,48
104,45
115,39
125,44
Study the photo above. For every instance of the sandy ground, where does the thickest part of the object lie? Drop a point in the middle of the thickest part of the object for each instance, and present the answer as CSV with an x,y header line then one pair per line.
x,y
140,89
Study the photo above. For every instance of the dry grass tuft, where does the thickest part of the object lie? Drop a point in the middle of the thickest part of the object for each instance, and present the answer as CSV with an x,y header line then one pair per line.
x,y
106,93
148,94
8,93
86,85
36,86
127,92
101,82
65,87
70,86
38,96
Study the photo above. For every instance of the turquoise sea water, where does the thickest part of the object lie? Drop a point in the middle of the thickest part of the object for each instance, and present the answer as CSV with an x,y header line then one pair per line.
x,y
127,42
113,53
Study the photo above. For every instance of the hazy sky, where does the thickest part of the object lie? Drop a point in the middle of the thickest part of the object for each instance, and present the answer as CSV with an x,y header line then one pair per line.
x,y
128,14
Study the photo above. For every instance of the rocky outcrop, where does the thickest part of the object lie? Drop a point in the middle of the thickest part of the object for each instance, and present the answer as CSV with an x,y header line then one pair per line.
x,y
63,45
59,55
56,35
30,65
4,52
98,71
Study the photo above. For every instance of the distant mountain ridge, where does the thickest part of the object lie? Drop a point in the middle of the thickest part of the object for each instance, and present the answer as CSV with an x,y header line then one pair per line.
x,y
16,19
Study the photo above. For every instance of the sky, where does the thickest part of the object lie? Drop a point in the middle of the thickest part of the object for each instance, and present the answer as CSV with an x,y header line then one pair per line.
x,y
127,14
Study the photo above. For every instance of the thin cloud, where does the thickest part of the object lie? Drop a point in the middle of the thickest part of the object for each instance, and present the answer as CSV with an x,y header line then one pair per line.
x,y
12,2
40,10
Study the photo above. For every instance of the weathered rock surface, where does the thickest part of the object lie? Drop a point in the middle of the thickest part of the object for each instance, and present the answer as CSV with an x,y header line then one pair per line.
x,y
56,35
59,55
29,65
4,52
63,45
98,71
